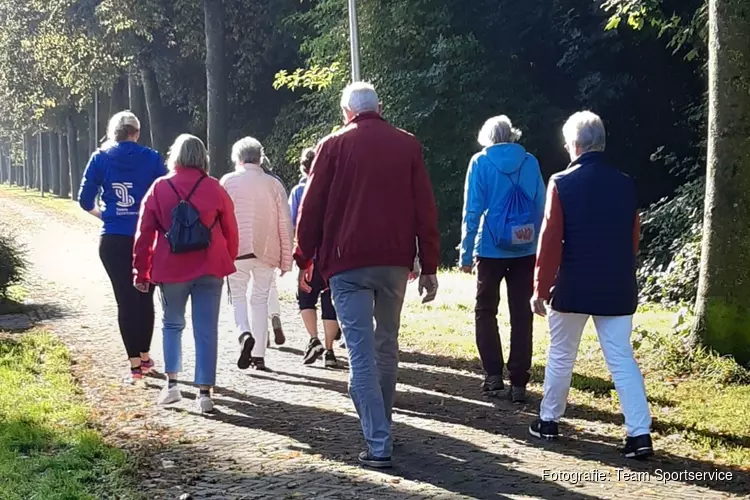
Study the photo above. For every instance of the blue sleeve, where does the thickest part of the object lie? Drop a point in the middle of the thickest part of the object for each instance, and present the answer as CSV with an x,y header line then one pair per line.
x,y
294,200
90,185
474,207
160,168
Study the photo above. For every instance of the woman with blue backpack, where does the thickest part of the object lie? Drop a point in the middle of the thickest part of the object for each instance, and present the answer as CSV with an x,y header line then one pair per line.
x,y
123,171
503,210
186,244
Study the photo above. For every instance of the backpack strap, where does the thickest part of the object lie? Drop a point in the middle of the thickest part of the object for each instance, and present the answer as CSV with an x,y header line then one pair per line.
x,y
169,181
192,191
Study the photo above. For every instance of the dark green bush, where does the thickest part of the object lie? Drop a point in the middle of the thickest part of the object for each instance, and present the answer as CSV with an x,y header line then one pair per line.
x,y
670,251
13,263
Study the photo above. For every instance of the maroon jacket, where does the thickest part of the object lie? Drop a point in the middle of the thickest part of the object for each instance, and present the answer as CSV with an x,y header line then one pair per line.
x,y
367,202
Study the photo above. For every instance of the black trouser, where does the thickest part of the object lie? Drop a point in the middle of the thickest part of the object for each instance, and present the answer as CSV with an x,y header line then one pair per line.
x,y
309,300
135,310
519,276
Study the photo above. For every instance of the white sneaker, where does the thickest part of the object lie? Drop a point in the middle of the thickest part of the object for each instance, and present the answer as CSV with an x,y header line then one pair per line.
x,y
204,403
169,395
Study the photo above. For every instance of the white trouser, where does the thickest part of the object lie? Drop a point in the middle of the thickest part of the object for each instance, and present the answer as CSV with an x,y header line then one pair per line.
x,y
262,277
274,307
614,337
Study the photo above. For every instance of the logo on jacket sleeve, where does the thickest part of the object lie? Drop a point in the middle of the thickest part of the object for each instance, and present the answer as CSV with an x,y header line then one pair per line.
x,y
122,191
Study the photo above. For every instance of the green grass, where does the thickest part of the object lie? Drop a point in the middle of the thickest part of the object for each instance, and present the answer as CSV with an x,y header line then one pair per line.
x,y
700,406
48,449
13,302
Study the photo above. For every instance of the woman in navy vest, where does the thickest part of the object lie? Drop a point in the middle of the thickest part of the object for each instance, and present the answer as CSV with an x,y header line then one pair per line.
x,y
123,171
503,207
586,268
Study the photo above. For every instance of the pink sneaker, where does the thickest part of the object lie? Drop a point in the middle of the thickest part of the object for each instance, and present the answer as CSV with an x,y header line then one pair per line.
x,y
147,366
136,373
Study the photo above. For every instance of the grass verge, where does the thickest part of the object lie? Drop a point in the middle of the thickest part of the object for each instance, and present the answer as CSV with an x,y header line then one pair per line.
x,y
700,406
48,448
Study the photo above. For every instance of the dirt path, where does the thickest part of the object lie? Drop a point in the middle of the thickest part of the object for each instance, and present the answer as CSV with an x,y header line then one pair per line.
x,y
294,433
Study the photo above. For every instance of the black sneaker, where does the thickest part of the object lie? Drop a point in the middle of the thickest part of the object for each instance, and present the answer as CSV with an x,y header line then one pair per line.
x,y
331,361
367,459
247,342
260,364
544,430
493,383
278,330
313,352
638,447
517,394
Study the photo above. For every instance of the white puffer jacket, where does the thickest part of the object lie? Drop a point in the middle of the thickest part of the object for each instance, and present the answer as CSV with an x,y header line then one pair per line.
x,y
265,225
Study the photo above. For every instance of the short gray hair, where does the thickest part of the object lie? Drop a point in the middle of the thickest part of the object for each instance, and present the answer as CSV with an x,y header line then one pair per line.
x,y
360,97
188,151
496,130
247,150
586,130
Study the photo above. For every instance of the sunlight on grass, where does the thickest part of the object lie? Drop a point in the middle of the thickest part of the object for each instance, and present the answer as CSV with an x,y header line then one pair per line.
x,y
47,448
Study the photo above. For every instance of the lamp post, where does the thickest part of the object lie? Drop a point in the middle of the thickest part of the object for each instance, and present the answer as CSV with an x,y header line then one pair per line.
x,y
354,39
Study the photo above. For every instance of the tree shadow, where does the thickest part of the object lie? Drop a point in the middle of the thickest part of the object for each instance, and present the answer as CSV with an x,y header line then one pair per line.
x,y
20,317
500,416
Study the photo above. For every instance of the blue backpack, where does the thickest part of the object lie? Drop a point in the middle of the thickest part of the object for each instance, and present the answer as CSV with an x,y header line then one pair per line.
x,y
187,233
514,227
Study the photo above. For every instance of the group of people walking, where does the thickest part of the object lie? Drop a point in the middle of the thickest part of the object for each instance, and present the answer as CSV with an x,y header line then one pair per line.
x,y
365,221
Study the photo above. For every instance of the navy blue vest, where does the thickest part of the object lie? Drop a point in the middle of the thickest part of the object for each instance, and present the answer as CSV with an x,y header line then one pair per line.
x,y
597,271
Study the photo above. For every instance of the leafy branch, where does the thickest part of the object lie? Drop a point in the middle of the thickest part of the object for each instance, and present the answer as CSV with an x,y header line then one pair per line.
x,y
314,78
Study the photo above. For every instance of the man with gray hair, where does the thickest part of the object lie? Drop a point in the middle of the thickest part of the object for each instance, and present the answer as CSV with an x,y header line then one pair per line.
x,y
586,268
367,205
266,233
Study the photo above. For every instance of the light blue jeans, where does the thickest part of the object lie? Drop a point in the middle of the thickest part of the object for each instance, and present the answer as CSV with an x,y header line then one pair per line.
x,y
205,298
359,296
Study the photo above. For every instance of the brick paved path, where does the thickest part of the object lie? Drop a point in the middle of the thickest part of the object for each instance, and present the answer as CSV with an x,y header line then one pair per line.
x,y
294,433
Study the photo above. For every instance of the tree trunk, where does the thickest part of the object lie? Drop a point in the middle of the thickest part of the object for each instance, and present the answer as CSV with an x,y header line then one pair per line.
x,y
119,98
138,106
64,166
54,162
27,141
34,173
159,134
216,78
92,118
44,168
73,164
723,305
3,174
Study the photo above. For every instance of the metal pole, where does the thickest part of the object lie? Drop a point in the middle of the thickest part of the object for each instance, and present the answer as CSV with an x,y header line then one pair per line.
x,y
354,39
96,118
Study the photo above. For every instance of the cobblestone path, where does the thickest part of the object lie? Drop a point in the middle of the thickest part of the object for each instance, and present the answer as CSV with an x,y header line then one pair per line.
x,y
294,433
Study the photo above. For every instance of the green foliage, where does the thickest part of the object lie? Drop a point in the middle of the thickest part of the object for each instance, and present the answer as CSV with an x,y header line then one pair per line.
x,y
314,78
673,355
12,262
47,446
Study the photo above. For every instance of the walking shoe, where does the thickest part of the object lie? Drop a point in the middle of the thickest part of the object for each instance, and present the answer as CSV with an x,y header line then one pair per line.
x,y
638,447
136,373
204,403
247,342
517,394
147,366
493,383
259,364
331,361
366,458
169,394
544,430
314,351
278,330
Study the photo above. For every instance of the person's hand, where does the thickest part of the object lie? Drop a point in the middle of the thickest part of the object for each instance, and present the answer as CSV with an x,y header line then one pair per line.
x,y
467,269
412,276
142,287
305,278
282,274
539,306
428,285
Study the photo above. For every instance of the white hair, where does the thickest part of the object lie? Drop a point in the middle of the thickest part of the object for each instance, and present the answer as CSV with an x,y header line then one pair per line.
x,y
496,130
188,151
360,97
586,131
247,150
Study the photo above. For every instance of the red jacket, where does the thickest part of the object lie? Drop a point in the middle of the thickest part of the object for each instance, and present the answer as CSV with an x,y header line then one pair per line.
x,y
368,201
156,263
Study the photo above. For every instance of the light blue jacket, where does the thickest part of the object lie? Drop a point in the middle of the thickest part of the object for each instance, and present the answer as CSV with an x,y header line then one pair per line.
x,y
490,177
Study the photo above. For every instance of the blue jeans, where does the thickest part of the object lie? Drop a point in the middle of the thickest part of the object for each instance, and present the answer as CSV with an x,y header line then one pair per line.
x,y
205,298
359,295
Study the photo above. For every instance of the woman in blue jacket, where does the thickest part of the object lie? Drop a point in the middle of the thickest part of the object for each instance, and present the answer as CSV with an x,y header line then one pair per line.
x,y
503,210
123,171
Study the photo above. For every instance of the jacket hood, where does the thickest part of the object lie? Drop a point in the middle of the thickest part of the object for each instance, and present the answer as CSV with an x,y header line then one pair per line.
x,y
506,157
127,155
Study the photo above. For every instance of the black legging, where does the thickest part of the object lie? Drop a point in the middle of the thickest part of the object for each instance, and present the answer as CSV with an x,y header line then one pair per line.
x,y
135,310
